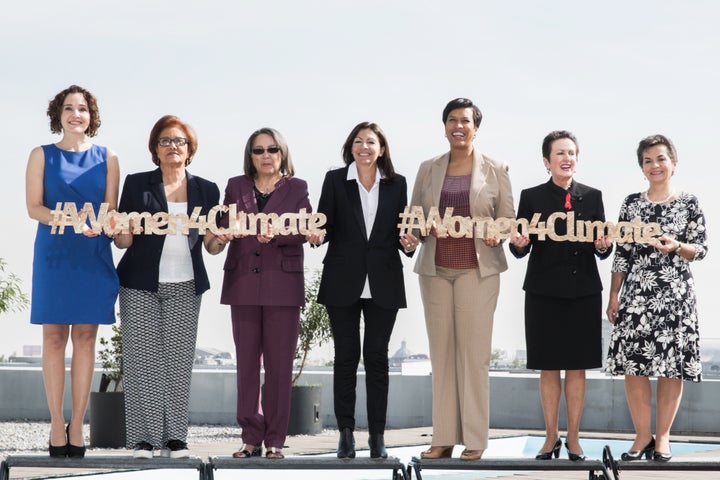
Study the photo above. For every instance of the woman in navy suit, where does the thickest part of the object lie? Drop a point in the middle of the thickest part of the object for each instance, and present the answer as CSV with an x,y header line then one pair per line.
x,y
162,279
264,285
362,274
563,303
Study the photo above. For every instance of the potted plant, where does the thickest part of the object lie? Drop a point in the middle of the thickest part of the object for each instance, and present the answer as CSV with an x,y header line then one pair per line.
x,y
111,359
314,332
12,298
107,406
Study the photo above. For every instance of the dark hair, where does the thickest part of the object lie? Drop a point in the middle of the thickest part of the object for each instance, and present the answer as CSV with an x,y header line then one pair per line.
x,y
652,141
462,103
557,135
55,106
286,164
384,162
169,121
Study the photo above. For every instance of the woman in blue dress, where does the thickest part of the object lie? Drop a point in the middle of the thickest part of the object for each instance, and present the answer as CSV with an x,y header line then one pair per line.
x,y
74,283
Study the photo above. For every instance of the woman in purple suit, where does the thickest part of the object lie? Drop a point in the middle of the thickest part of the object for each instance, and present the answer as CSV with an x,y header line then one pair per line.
x,y
264,286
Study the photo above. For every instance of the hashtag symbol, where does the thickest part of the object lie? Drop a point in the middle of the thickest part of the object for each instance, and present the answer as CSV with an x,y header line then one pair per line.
x,y
58,219
412,218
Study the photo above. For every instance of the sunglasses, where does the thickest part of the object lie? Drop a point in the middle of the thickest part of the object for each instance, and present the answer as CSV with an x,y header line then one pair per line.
x,y
261,150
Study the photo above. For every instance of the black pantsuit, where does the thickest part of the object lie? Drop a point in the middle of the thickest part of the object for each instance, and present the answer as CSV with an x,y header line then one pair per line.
x,y
355,256
345,324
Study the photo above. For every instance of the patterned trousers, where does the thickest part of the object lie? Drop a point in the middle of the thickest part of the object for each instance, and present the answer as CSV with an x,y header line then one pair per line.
x,y
159,330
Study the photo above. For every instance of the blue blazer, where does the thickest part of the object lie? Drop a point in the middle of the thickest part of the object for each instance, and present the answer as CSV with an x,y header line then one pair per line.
x,y
353,253
139,267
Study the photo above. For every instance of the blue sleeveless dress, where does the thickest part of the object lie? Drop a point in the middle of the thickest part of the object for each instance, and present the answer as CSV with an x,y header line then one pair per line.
x,y
74,279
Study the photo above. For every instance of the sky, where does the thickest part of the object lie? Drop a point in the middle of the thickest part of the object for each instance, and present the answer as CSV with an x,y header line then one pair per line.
x,y
610,72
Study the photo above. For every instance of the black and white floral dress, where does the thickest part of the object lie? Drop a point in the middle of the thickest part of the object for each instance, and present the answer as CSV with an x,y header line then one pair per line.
x,y
656,332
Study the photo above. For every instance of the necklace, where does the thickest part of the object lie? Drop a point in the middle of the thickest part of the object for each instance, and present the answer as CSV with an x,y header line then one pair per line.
x,y
647,197
270,188
263,194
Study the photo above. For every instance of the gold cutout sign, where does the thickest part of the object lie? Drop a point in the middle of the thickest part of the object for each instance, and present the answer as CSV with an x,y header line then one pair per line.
x,y
66,215
456,226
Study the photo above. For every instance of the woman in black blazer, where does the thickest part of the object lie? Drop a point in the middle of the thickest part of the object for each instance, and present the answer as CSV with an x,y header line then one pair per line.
x,y
563,304
362,274
162,279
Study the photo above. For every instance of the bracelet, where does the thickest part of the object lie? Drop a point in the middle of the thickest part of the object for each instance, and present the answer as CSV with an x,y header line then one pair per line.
x,y
219,242
679,246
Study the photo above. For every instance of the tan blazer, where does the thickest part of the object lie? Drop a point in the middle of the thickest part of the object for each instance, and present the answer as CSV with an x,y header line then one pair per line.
x,y
490,196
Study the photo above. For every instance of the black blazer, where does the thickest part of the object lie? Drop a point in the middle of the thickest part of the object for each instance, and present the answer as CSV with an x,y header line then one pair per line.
x,y
561,269
139,267
354,254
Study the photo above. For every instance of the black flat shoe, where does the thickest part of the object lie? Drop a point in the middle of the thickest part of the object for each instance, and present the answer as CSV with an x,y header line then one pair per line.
x,y
346,445
662,457
245,452
548,455
637,455
376,442
574,457
73,451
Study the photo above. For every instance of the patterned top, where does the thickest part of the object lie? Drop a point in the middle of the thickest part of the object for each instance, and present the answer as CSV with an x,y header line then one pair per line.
x,y
451,252
656,332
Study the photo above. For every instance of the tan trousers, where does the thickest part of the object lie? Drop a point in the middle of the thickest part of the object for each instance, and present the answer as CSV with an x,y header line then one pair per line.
x,y
459,308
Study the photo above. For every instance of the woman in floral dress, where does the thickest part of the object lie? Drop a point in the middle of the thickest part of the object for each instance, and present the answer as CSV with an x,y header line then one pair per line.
x,y
655,316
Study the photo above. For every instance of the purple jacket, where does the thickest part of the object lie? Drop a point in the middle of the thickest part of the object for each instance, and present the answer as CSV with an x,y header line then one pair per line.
x,y
265,273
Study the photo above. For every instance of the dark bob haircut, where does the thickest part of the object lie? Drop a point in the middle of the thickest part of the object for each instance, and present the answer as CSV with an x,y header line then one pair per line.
x,y
169,121
384,162
462,103
557,135
56,105
286,165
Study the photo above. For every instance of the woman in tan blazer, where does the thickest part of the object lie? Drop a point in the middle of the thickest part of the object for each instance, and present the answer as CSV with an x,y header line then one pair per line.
x,y
459,282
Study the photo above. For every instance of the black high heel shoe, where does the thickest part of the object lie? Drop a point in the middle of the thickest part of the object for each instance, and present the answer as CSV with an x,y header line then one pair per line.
x,y
648,452
60,451
554,452
73,451
662,457
574,457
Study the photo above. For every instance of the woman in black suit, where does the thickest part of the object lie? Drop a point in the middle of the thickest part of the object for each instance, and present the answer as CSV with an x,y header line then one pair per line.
x,y
362,274
563,303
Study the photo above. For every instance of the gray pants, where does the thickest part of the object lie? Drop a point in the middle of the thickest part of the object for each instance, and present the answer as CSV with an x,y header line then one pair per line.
x,y
159,330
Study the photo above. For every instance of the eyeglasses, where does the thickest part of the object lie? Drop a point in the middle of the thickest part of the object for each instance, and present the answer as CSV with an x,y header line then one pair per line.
x,y
261,150
178,141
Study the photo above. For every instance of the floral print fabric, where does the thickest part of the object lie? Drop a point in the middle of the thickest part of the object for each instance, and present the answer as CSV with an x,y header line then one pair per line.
x,y
656,332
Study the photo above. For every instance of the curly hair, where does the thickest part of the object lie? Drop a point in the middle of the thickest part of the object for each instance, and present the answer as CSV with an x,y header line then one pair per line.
x,y
652,141
55,107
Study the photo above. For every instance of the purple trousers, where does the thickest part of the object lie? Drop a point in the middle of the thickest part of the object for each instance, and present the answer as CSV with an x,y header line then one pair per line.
x,y
269,335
